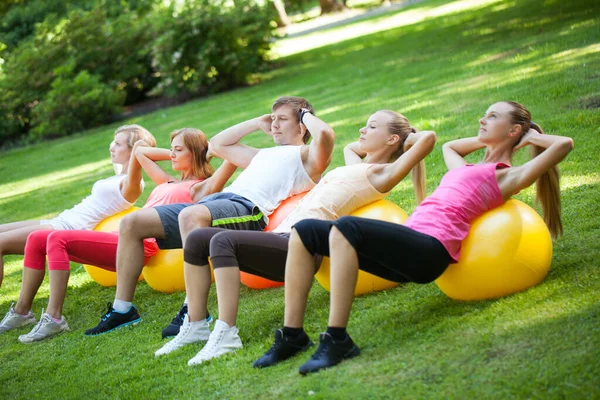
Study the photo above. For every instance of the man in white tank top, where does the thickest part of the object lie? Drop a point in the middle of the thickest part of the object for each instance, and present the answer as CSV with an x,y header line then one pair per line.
x,y
269,177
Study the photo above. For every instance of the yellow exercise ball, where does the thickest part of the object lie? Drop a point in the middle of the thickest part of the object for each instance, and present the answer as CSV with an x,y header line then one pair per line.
x,y
164,271
508,250
111,224
366,283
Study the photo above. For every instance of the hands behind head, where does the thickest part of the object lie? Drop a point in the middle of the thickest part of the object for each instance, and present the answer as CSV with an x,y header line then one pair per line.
x,y
141,143
264,123
526,139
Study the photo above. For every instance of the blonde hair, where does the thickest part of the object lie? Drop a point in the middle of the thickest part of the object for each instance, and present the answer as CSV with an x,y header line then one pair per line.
x,y
135,133
400,125
547,186
296,104
195,140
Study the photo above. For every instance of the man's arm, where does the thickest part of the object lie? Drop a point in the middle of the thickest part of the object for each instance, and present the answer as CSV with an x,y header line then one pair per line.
x,y
226,143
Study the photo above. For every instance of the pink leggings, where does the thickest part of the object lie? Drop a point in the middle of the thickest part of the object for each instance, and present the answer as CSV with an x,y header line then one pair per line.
x,y
85,247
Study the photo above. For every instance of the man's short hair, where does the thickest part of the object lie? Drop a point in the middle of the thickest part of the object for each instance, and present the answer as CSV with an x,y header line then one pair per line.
x,y
296,104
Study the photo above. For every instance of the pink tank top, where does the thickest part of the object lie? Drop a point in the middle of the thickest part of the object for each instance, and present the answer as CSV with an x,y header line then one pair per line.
x,y
171,193
464,194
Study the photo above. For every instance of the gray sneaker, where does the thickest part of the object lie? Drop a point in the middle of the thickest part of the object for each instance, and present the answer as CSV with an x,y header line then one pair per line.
x,y
45,329
14,320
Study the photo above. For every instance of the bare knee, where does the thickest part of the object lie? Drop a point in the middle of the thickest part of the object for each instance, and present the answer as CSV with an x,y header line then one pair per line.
x,y
130,225
194,217
337,240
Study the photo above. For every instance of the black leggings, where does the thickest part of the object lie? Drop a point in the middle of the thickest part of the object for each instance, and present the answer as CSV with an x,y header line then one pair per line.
x,y
390,251
257,253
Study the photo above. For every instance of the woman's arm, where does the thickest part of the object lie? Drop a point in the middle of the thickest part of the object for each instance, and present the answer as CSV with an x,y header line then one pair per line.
x,y
455,151
519,178
416,148
213,184
131,186
148,157
353,154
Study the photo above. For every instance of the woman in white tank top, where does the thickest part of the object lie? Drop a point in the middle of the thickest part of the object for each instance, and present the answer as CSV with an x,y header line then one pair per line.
x,y
109,196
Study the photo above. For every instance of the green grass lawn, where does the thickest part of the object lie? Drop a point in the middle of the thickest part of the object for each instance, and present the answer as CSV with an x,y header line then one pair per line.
x,y
440,63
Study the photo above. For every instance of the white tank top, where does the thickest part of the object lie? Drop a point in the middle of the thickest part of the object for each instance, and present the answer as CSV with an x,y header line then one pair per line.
x,y
106,200
274,174
340,192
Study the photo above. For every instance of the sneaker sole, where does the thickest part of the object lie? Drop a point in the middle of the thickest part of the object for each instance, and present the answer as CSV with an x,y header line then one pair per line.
x,y
134,322
353,352
44,338
18,327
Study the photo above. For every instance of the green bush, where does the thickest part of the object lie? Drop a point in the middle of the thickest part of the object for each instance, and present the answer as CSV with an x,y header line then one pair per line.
x,y
74,104
122,51
210,45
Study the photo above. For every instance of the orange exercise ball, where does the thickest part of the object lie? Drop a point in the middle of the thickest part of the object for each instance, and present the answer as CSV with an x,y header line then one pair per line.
x,y
508,250
275,219
111,224
383,210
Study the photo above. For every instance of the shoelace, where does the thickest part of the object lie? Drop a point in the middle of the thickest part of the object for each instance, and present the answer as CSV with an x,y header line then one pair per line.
x,y
180,335
180,315
211,345
321,349
275,344
108,311
43,321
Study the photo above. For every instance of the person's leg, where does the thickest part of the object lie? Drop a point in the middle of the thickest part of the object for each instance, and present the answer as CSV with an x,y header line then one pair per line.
x,y
196,272
13,237
33,276
387,250
258,253
34,269
228,214
198,280
85,247
133,229
231,251
308,237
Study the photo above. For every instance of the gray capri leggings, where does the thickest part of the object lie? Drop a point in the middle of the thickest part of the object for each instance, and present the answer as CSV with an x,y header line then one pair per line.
x,y
257,253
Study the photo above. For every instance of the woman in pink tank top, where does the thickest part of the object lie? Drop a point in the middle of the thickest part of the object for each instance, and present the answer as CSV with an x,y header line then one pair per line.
x,y
429,240
188,155
13,235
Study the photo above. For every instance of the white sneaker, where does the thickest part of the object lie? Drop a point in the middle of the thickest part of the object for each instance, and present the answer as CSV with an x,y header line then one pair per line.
x,y
223,339
14,320
45,329
190,332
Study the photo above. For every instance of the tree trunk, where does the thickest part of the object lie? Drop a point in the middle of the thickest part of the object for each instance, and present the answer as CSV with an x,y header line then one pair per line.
x,y
283,19
329,6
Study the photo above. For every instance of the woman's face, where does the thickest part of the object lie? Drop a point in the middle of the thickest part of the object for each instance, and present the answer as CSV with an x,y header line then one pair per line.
x,y
496,126
119,149
375,135
181,156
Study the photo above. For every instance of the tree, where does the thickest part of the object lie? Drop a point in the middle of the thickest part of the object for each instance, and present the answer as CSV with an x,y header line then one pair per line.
x,y
282,19
329,6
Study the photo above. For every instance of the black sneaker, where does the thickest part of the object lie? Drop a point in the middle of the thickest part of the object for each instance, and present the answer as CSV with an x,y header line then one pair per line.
x,y
329,353
283,348
113,320
173,328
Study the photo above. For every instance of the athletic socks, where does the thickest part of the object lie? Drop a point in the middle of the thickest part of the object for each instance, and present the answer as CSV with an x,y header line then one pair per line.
x,y
121,306
337,333
292,332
